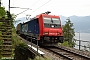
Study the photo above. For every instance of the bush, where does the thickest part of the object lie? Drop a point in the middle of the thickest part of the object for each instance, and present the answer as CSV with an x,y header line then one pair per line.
x,y
21,52
72,44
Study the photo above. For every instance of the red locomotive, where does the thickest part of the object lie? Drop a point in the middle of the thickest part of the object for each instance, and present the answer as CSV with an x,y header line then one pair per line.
x,y
44,27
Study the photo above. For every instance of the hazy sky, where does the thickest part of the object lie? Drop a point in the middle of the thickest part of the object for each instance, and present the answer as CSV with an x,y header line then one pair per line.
x,y
57,7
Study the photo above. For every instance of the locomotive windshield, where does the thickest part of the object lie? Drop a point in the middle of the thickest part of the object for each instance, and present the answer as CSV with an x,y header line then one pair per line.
x,y
49,22
56,20
52,20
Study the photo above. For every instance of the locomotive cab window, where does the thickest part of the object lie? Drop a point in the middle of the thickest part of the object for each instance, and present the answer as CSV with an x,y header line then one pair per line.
x,y
56,20
49,22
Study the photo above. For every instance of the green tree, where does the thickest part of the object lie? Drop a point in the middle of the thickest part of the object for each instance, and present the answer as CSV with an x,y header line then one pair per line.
x,y
2,12
68,32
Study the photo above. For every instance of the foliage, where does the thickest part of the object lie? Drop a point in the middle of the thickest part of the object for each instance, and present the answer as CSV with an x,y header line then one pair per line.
x,y
15,39
1,41
2,12
68,32
67,44
21,52
6,14
9,15
0,33
1,24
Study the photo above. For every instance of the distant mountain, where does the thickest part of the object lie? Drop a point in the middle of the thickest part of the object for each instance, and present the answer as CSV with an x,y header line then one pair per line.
x,y
81,23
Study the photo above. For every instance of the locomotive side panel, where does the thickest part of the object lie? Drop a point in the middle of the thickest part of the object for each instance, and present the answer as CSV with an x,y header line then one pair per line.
x,y
31,28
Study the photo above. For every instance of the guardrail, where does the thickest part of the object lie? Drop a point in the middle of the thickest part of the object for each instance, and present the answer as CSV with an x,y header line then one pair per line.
x,y
82,43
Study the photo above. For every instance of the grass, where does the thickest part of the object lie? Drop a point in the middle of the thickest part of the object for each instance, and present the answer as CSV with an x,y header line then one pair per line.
x,y
15,39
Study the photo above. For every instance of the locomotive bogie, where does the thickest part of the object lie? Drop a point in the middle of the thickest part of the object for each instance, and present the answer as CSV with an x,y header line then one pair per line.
x,y
52,39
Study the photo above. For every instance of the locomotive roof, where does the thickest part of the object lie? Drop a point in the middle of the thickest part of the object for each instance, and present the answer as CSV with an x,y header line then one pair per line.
x,y
43,15
47,15
29,20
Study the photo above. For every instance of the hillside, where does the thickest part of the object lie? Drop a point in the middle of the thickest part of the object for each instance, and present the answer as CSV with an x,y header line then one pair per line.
x,y
81,24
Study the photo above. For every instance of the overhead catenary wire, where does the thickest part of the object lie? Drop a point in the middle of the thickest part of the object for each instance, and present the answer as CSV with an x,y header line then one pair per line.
x,y
28,8
35,9
34,3
20,7
23,11
40,6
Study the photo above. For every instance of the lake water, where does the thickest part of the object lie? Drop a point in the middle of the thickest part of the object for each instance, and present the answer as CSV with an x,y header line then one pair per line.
x,y
84,37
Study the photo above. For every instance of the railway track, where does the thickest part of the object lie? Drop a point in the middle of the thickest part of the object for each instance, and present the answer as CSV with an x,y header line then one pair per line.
x,y
66,53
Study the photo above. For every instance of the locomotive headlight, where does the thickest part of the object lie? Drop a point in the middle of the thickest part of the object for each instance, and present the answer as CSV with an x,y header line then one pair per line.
x,y
58,33
52,26
46,33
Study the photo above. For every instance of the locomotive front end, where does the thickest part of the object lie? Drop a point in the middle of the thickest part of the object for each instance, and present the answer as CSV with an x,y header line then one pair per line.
x,y
52,29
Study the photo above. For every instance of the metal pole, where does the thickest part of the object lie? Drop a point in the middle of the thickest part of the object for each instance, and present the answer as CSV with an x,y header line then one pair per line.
x,y
9,5
79,44
79,41
0,3
79,35
37,45
31,42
